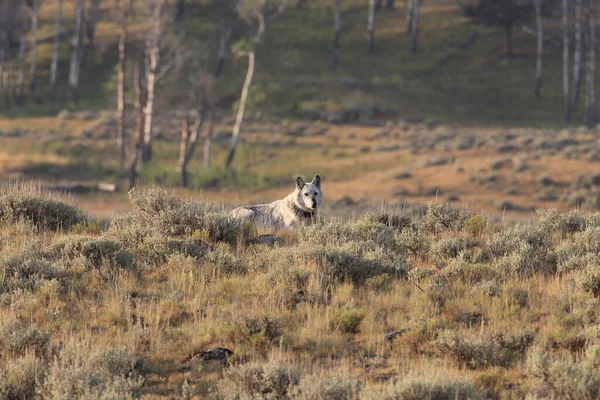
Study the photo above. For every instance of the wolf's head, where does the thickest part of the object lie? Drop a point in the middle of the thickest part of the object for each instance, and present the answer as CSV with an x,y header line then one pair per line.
x,y
309,196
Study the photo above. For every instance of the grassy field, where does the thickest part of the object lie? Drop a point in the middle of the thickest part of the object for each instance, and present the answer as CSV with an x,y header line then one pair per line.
x,y
173,300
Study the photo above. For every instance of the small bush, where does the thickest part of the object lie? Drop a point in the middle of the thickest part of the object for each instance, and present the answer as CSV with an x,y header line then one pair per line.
x,y
43,213
475,225
510,239
590,282
102,374
566,377
341,266
564,224
426,387
17,338
258,380
442,217
319,387
223,262
266,326
472,353
26,270
347,321
173,216
414,241
19,378
448,248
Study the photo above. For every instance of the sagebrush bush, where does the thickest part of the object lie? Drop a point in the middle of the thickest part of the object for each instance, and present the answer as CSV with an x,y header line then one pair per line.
x,y
172,216
414,241
426,387
447,248
17,338
475,225
566,377
441,217
563,224
26,270
222,263
270,380
512,238
19,378
328,387
347,321
463,269
101,374
43,213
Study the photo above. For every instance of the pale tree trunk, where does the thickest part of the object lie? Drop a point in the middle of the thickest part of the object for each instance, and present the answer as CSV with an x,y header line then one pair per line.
x,y
121,83
153,54
76,53
208,138
34,29
540,47
337,27
136,143
409,15
240,114
578,51
414,31
189,142
54,65
590,104
224,38
371,26
92,20
565,34
22,54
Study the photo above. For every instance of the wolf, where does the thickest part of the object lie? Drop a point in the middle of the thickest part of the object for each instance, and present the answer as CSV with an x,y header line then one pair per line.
x,y
299,207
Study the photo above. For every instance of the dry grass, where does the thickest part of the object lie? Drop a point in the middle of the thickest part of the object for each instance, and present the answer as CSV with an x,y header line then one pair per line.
x,y
484,311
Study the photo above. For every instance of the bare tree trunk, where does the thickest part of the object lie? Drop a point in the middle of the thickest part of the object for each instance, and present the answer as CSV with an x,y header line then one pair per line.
x,y
76,53
371,26
540,48
409,15
578,52
565,34
508,40
590,103
136,143
22,54
2,51
8,86
153,54
240,114
92,20
414,32
34,29
183,150
208,138
389,4
121,83
180,10
54,65
337,26
224,38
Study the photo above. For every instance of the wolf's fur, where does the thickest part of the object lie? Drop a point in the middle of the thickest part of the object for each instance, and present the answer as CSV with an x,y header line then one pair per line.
x,y
299,207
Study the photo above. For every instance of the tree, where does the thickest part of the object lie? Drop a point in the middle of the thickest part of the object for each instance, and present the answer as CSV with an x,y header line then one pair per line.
x,y
414,31
22,52
76,53
337,30
153,59
261,12
590,99
3,43
540,47
502,13
123,13
135,146
54,65
578,51
565,34
93,16
371,26
35,9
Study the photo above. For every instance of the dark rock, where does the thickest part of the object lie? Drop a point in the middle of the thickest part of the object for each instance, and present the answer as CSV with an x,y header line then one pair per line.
x,y
345,201
219,354
390,336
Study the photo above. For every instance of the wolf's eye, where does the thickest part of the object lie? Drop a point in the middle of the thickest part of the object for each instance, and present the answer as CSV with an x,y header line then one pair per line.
x,y
316,193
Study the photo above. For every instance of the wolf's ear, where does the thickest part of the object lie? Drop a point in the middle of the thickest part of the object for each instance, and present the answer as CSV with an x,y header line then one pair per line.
x,y
299,183
317,181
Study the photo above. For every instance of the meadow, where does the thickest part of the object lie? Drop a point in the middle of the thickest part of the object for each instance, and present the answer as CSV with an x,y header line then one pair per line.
x,y
173,299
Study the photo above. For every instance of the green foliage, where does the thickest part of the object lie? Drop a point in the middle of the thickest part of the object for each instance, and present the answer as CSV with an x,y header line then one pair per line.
x,y
18,338
475,225
43,213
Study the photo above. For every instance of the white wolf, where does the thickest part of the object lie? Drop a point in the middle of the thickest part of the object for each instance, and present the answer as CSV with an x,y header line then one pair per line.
x,y
300,206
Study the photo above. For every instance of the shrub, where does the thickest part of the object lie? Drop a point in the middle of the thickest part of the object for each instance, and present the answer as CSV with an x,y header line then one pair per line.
x,y
173,216
442,217
471,273
469,352
426,387
347,321
17,337
223,262
448,248
590,282
564,224
43,213
258,380
103,374
475,225
26,270
265,325
19,378
342,266
510,239
414,241
566,377
328,387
